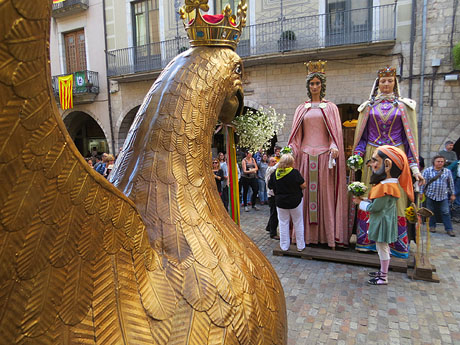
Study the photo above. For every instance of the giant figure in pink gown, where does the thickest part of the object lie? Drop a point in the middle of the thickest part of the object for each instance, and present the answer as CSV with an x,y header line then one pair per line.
x,y
317,143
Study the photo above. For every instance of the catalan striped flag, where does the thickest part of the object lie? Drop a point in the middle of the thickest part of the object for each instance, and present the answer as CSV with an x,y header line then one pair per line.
x,y
57,1
234,190
65,91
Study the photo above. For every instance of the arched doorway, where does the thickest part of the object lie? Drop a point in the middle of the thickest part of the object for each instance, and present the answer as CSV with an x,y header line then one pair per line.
x,y
348,113
86,133
457,147
125,126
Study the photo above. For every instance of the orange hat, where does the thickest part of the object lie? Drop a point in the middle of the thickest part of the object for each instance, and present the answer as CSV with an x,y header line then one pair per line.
x,y
399,158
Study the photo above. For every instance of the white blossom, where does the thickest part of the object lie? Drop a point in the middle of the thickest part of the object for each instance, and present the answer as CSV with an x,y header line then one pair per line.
x,y
256,128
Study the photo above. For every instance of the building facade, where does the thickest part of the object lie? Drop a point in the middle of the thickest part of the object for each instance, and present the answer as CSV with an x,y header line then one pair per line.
x,y
77,47
356,38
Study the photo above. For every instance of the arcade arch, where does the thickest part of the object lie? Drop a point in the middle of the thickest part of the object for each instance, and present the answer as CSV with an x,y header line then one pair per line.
x,y
125,126
86,133
454,136
348,112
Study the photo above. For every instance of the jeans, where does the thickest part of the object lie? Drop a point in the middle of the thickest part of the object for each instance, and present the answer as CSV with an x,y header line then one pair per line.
x,y
441,208
262,190
249,182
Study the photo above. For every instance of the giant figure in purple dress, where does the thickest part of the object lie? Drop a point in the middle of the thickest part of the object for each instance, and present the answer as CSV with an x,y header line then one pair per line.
x,y
387,119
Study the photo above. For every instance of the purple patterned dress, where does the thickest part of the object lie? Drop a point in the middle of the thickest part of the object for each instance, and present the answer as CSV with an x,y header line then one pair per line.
x,y
384,127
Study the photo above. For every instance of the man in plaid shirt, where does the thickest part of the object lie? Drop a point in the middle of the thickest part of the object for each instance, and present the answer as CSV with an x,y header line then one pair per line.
x,y
437,193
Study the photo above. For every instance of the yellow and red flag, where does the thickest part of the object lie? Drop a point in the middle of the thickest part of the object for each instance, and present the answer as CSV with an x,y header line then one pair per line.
x,y
65,91
57,1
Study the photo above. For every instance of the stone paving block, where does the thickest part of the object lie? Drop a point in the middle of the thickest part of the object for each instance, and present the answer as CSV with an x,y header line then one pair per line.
x,y
326,299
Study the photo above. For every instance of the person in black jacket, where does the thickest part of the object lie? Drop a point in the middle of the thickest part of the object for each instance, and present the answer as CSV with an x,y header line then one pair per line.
x,y
287,184
218,174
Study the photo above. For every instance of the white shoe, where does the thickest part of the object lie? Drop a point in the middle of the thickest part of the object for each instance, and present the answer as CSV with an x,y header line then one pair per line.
x,y
255,208
246,208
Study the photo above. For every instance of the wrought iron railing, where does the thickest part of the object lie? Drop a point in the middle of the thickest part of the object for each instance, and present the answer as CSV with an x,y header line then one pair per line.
x,y
83,82
69,3
373,24
149,57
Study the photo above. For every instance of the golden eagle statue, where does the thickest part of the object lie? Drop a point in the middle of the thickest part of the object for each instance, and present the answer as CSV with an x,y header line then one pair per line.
x,y
156,261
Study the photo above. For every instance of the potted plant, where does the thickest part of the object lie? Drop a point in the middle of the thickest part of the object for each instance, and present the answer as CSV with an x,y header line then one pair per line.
x,y
182,49
287,40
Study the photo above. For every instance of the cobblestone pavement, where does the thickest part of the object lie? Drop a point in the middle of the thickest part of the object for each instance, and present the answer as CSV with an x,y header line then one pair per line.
x,y
331,303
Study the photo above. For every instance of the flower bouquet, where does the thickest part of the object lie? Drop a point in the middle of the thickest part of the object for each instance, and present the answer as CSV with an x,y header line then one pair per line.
x,y
285,150
355,162
410,214
255,128
357,188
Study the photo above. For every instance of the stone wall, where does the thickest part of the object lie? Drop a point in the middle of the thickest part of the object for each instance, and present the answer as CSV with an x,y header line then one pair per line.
x,y
442,121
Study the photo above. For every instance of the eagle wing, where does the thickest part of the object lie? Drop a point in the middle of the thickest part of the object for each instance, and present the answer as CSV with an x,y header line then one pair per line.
x,y
75,257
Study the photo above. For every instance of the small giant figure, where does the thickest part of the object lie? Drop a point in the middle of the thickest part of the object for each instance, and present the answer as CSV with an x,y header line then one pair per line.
x,y
389,166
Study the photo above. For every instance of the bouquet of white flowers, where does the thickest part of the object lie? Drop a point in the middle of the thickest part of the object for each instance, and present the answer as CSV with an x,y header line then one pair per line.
x,y
355,162
256,128
357,188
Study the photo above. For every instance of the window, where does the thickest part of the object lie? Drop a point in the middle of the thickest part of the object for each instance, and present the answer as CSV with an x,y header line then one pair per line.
x,y
220,5
75,51
146,28
146,35
349,21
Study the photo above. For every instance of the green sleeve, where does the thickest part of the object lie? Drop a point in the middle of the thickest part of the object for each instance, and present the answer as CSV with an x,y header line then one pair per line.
x,y
379,204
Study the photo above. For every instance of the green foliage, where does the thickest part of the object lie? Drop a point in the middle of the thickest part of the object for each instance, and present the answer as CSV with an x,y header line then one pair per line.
x,y
456,55
288,35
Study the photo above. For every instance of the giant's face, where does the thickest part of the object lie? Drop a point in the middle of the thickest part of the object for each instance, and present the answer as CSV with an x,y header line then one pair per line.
x,y
234,99
377,165
314,86
386,85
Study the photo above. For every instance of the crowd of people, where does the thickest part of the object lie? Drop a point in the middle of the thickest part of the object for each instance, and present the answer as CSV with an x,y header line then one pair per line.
x,y
101,163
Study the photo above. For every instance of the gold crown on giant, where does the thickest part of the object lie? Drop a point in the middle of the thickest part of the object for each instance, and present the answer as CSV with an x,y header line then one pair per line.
x,y
316,66
387,72
213,30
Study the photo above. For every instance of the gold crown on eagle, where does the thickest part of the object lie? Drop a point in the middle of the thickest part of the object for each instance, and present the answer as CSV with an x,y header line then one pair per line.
x,y
316,67
387,72
213,30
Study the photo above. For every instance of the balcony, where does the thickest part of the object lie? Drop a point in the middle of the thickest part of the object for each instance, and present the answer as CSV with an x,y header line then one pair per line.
x,y
69,7
85,86
360,31
146,58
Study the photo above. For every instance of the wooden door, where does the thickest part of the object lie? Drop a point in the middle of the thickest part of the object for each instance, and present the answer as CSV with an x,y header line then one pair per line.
x,y
75,51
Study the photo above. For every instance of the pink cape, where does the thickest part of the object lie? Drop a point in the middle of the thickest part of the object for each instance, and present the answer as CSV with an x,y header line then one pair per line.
x,y
334,125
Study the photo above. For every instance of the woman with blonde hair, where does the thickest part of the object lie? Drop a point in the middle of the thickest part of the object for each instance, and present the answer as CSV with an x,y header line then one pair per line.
x,y
287,184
